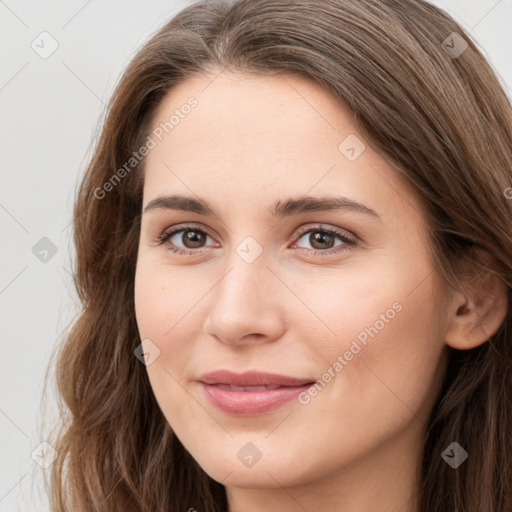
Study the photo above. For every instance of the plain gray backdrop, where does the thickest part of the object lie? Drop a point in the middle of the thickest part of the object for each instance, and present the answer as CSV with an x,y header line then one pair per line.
x,y
60,63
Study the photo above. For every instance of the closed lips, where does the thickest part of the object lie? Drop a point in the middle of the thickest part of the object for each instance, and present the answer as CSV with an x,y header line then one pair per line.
x,y
245,388
251,393
251,380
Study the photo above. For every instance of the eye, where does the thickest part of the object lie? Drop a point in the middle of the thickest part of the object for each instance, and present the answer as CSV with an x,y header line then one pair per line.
x,y
323,240
192,238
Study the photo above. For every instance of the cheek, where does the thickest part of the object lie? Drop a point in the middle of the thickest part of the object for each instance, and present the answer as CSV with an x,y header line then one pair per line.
x,y
163,296
167,309
157,311
376,342
378,375
405,358
392,363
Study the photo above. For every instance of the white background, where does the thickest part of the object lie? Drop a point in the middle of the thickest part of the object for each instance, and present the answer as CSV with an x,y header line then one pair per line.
x,y
50,109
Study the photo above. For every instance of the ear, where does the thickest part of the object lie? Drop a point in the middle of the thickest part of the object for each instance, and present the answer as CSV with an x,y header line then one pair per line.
x,y
477,313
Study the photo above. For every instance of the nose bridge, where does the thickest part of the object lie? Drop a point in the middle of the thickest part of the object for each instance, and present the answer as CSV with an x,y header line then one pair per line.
x,y
243,302
246,264
241,286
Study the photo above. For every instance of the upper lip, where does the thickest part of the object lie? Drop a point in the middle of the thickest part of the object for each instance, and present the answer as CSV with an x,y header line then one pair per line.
x,y
251,378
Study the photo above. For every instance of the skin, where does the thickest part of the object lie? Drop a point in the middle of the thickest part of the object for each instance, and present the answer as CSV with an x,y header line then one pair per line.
x,y
356,445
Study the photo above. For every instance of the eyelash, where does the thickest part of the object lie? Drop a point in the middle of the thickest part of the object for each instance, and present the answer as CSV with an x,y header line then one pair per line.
x,y
348,243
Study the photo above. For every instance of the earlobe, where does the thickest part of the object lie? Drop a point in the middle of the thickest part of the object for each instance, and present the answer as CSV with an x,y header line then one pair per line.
x,y
477,315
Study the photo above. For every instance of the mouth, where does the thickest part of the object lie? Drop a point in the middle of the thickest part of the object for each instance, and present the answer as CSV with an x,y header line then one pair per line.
x,y
251,378
251,393
231,387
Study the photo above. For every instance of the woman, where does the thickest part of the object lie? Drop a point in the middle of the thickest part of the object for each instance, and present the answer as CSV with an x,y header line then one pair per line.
x,y
294,254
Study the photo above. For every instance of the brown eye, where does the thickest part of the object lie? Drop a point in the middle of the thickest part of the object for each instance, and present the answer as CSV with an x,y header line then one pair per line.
x,y
323,240
320,240
186,239
193,238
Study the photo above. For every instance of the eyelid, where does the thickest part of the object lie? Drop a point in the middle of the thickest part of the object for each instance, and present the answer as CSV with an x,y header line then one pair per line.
x,y
171,231
321,227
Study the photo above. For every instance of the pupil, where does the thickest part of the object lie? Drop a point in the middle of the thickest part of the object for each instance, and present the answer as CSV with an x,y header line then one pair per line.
x,y
321,238
193,237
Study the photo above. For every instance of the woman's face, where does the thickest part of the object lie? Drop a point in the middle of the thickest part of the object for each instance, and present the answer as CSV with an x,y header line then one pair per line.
x,y
261,286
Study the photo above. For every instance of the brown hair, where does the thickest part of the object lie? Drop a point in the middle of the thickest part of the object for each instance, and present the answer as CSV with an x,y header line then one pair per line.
x,y
443,120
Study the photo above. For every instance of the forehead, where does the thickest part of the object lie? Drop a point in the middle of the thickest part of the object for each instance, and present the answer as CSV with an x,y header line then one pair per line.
x,y
242,118
251,137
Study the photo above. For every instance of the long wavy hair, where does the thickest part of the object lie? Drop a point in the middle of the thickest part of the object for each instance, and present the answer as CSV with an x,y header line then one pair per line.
x,y
440,118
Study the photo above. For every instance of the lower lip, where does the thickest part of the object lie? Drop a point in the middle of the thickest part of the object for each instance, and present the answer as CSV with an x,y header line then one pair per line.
x,y
251,403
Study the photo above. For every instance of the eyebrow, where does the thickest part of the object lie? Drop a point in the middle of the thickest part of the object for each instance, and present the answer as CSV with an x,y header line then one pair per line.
x,y
278,209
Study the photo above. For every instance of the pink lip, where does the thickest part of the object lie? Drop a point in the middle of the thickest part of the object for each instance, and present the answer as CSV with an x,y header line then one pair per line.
x,y
281,389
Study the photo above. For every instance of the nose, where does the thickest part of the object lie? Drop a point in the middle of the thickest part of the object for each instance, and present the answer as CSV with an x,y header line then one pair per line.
x,y
247,305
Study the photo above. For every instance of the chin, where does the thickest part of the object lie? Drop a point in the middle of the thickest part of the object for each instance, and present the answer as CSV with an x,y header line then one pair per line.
x,y
270,471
